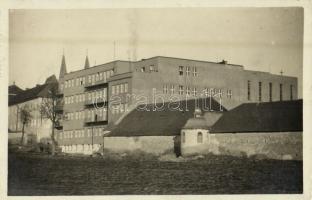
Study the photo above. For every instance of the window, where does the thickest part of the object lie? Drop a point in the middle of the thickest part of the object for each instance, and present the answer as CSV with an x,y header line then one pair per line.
x,y
194,91
165,89
270,91
77,81
199,137
248,90
111,72
113,90
126,87
181,90
181,70
65,84
188,92
152,68
89,78
117,89
281,92
188,71
291,92
97,76
104,76
93,78
229,94
194,71
260,91
183,137
122,88
172,89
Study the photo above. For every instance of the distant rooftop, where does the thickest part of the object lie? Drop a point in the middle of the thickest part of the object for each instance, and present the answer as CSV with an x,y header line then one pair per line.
x,y
35,92
279,116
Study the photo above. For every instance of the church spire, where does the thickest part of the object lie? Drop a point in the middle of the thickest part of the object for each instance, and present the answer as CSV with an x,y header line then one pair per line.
x,y
87,65
63,70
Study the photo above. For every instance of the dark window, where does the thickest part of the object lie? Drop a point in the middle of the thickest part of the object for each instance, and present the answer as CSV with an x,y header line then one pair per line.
x,y
199,137
181,70
281,92
260,91
270,91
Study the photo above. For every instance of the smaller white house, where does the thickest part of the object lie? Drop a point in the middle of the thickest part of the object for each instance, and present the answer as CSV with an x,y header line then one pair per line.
x,y
195,137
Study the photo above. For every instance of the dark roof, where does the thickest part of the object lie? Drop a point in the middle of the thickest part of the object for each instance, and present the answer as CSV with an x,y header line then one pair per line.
x,y
261,117
30,94
14,89
157,123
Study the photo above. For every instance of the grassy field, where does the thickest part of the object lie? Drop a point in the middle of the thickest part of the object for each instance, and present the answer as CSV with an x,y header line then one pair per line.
x,y
34,174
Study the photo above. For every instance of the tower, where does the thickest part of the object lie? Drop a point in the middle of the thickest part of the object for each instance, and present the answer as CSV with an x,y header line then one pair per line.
x,y
87,64
63,70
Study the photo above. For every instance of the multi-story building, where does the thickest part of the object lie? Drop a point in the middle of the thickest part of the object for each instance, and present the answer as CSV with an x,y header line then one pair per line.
x,y
39,127
100,96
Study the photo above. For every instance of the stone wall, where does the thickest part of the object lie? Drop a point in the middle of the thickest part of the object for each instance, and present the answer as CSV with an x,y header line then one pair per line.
x,y
149,144
277,145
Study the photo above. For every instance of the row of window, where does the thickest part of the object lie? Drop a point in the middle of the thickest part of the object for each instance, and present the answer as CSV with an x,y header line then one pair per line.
x,y
120,108
81,133
96,94
120,88
151,68
84,147
193,91
270,91
75,82
92,78
92,114
187,71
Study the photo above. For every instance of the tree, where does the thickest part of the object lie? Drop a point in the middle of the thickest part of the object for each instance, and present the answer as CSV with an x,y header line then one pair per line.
x,y
25,117
48,109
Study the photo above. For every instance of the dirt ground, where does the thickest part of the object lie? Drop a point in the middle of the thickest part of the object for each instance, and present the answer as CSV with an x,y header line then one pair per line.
x,y
37,174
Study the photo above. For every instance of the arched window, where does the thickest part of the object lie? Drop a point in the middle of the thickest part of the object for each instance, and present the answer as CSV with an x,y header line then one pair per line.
x,y
199,137
183,137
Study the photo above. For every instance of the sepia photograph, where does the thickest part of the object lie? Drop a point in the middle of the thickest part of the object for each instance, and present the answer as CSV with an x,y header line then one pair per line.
x,y
155,101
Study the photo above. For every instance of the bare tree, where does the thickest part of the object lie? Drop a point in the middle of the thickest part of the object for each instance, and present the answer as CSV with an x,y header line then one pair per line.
x,y
25,117
48,109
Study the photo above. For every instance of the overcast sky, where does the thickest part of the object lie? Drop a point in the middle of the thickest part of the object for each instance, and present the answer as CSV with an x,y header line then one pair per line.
x,y
264,39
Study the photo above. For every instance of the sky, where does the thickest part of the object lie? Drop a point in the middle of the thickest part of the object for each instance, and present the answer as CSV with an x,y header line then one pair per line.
x,y
262,39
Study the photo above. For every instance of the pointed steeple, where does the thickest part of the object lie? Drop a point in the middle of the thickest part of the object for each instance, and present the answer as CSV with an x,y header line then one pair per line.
x,y
87,65
63,70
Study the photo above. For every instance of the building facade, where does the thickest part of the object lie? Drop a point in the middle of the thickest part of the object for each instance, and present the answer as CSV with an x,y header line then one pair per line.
x,y
98,97
39,127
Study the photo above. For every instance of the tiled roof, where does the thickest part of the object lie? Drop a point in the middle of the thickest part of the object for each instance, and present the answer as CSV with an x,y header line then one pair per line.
x,y
157,123
261,117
